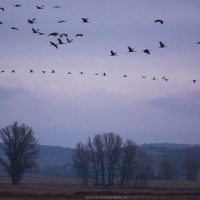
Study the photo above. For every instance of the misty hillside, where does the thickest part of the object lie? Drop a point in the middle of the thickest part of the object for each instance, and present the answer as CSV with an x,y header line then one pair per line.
x,y
56,160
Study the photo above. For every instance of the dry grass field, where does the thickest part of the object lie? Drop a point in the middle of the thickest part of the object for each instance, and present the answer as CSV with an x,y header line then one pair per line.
x,y
60,189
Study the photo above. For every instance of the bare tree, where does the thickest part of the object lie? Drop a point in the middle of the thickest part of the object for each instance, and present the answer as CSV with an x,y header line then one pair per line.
x,y
100,151
167,170
97,158
127,162
191,167
81,161
142,167
21,149
113,144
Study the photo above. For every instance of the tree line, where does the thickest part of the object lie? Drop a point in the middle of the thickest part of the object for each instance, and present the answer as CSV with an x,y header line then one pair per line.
x,y
104,159
107,160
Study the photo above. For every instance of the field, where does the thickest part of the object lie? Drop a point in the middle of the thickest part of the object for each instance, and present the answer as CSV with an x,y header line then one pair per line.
x,y
60,189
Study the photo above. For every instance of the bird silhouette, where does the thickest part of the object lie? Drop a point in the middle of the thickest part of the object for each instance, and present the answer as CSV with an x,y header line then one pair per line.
x,y
43,72
57,7
63,34
61,21
69,41
14,28
1,8
159,21
60,41
35,31
53,44
198,43
85,20
81,73
53,34
2,71
39,33
96,74
194,81
154,78
13,71
130,49
1,22
162,45
143,77
147,51
31,71
69,73
18,5
125,76
40,7
53,71
79,35
104,74
31,21
113,53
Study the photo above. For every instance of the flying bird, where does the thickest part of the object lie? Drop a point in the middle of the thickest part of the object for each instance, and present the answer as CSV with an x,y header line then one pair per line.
x,y
125,75
143,77
154,78
35,31
113,53
147,51
13,71
53,71
53,44
104,74
1,22
2,71
63,34
31,71
162,45
194,81
159,21
60,41
14,28
69,41
43,72
96,74
1,8
18,5
40,7
39,33
69,73
130,49
85,20
61,21
81,73
198,43
79,35
53,34
57,7
31,21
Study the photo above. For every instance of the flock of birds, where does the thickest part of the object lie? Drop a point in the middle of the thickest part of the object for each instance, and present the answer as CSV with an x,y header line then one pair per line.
x,y
62,38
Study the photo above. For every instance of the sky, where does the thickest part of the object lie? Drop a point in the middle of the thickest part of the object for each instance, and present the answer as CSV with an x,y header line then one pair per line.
x,y
63,108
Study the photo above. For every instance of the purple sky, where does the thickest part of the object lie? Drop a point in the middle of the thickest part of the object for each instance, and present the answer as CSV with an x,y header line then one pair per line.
x,y
64,109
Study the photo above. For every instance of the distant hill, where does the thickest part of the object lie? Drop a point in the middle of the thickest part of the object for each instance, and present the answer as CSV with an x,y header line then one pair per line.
x,y
57,161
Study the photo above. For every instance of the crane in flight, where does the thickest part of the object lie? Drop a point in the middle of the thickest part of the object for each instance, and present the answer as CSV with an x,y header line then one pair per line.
x,y
31,21
113,53
159,21
130,49
162,45
40,7
53,44
85,20
147,51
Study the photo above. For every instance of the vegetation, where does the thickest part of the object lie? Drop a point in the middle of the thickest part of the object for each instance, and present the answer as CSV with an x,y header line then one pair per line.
x,y
106,160
20,151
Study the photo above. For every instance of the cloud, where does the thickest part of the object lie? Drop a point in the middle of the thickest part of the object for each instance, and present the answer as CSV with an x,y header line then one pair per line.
x,y
188,104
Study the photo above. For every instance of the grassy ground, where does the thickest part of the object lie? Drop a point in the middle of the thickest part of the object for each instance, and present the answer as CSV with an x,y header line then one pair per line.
x,y
60,189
